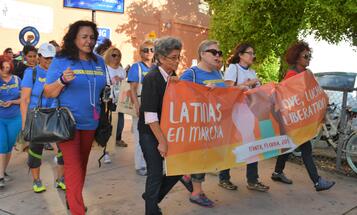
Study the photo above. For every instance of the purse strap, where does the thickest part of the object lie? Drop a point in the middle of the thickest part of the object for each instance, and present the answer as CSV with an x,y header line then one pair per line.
x,y
39,103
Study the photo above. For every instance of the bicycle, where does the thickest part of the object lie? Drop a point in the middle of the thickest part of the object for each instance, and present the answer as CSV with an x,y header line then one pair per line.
x,y
336,131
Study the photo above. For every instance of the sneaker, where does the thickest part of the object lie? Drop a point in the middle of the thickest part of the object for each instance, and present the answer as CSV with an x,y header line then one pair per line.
x,y
281,177
107,159
228,185
38,187
7,177
202,200
141,172
258,186
48,146
324,184
121,143
60,184
2,183
186,181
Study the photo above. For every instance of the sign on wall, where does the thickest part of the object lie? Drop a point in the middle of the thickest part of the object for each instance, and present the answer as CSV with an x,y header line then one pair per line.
x,y
116,6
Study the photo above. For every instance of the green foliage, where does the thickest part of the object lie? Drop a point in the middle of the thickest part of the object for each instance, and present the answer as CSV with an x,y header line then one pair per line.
x,y
272,25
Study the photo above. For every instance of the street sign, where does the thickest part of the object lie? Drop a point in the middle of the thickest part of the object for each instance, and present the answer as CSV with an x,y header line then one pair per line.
x,y
103,33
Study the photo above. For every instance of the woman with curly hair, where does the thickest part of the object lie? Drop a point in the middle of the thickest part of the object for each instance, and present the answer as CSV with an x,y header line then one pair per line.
x,y
77,76
298,58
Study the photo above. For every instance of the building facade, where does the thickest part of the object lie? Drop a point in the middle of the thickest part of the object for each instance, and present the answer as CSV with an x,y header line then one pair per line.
x,y
187,20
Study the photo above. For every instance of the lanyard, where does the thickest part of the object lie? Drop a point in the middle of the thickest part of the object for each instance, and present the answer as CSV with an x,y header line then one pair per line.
x,y
91,93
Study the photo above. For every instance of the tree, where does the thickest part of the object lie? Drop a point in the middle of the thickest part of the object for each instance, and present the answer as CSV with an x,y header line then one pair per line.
x,y
272,25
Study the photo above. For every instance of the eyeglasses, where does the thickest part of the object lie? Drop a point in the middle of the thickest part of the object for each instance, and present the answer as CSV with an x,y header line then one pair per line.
x,y
115,55
178,58
214,52
307,56
48,58
250,53
146,50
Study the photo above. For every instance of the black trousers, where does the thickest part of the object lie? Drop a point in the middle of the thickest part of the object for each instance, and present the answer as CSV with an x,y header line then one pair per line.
x,y
252,173
306,153
157,184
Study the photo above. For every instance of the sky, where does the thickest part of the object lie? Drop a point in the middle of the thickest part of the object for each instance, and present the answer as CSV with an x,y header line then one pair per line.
x,y
328,58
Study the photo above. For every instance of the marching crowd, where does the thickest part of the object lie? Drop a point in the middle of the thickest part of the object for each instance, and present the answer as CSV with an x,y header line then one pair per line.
x,y
73,75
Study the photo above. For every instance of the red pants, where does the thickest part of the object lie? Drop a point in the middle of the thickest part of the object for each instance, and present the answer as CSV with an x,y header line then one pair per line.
x,y
75,155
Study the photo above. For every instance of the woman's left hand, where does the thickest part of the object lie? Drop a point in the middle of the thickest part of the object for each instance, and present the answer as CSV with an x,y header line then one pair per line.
x,y
7,104
173,79
162,147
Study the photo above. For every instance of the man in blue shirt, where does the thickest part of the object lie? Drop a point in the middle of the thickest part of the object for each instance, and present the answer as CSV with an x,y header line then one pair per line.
x,y
135,77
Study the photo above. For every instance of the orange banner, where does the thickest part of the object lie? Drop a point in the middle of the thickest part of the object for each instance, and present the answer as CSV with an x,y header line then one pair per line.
x,y
213,129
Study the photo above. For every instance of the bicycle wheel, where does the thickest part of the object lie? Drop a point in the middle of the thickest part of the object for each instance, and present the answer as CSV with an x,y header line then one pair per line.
x,y
351,152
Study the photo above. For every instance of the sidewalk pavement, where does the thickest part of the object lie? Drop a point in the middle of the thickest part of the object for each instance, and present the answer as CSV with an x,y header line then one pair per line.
x,y
116,189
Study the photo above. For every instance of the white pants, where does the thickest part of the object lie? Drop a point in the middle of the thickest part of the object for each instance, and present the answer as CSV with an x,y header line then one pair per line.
x,y
139,158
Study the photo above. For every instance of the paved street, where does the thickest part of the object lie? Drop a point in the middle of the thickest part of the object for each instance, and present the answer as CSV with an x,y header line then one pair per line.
x,y
116,189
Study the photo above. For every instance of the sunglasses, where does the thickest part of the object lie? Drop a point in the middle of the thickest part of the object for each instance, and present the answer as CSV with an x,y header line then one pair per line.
x,y
115,55
307,56
146,50
48,58
214,52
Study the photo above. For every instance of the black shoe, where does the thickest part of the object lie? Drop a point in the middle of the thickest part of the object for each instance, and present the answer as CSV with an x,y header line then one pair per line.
x,y
281,177
186,181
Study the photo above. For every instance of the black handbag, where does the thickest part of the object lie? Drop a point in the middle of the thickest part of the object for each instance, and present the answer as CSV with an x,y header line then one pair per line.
x,y
46,125
104,129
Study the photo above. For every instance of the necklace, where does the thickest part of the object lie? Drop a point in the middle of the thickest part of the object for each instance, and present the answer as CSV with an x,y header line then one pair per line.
x,y
91,92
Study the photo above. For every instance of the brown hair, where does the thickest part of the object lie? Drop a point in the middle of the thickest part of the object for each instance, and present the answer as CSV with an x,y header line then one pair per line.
x,y
293,53
239,49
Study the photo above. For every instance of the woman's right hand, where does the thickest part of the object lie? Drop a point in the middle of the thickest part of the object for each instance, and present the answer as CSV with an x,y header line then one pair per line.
x,y
251,82
68,75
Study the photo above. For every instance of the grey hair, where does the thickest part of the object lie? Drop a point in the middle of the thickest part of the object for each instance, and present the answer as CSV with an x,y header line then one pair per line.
x,y
165,45
204,46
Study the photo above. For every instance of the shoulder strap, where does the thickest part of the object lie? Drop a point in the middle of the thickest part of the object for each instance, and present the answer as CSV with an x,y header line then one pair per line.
x,y
140,71
193,75
235,84
17,81
34,74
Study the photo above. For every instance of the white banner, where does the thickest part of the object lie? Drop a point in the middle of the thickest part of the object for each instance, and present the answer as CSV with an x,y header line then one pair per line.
x,y
16,15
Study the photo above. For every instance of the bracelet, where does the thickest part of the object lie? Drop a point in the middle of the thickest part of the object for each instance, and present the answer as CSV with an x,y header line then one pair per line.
x,y
62,81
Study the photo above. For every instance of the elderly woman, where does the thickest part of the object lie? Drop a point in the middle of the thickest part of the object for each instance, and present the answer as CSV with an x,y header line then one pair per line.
x,y
152,140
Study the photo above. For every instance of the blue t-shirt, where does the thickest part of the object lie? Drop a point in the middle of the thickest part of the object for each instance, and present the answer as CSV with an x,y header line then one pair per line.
x,y
133,73
83,92
37,87
203,77
10,91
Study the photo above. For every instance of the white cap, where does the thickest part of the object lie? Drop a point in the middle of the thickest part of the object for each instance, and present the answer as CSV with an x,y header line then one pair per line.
x,y
47,50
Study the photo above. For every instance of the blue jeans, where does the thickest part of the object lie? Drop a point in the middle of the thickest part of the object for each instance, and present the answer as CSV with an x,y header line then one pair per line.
x,y
120,126
9,129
